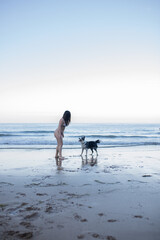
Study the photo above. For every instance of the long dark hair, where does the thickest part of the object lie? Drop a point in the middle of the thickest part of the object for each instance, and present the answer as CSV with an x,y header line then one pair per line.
x,y
67,117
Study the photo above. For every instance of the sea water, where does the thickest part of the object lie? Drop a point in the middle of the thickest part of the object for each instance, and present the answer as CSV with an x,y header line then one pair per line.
x,y
41,136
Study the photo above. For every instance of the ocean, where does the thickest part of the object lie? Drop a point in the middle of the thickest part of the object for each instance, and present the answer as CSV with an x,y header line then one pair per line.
x,y
41,136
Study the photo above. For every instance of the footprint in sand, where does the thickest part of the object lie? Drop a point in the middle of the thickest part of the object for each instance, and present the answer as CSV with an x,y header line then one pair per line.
x,y
32,208
49,209
32,185
138,216
79,204
99,182
41,194
21,194
79,218
17,234
101,214
95,235
80,236
32,216
147,175
110,238
26,224
26,235
112,220
11,233
84,220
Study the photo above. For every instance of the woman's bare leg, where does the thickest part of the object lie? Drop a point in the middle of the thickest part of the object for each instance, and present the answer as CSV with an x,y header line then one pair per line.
x,y
60,144
59,147
56,156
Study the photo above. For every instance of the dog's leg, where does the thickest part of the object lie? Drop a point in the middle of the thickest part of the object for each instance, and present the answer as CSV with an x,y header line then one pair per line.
x,y
92,151
82,151
86,152
96,151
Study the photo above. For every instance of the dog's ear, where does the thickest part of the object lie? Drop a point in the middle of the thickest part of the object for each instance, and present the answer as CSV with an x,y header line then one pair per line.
x,y
83,138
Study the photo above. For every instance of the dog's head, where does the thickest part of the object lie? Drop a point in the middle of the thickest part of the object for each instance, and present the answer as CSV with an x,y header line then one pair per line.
x,y
81,139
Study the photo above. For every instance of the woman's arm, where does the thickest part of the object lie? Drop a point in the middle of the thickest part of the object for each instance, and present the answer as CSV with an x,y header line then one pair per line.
x,y
62,125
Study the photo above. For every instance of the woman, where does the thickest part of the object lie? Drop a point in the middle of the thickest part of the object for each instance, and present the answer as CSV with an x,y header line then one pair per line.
x,y
59,133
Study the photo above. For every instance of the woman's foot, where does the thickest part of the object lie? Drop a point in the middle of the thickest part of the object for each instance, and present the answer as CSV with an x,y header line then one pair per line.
x,y
61,158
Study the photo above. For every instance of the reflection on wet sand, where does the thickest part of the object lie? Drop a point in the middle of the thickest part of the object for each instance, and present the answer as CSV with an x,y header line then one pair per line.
x,y
89,161
92,161
59,164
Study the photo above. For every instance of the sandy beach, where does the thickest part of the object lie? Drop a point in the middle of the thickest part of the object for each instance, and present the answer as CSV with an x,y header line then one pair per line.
x,y
115,196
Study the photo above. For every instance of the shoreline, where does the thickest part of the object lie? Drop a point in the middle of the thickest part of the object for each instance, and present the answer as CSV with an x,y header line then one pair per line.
x,y
113,196
70,147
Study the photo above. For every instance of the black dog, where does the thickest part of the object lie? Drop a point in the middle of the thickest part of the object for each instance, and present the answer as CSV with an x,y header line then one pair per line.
x,y
88,145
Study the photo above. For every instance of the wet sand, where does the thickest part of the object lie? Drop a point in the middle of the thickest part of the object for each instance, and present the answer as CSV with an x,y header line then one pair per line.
x,y
115,196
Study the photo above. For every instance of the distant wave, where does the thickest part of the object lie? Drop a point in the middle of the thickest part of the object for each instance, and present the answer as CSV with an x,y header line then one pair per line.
x,y
112,136
38,131
21,133
45,133
5,135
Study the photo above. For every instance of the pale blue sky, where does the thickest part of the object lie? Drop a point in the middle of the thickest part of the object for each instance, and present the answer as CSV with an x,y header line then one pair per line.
x,y
100,59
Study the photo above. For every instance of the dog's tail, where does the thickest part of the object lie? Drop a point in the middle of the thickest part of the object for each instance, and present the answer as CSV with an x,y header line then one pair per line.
x,y
98,141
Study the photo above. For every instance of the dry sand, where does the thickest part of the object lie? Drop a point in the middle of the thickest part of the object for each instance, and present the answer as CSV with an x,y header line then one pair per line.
x,y
114,196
